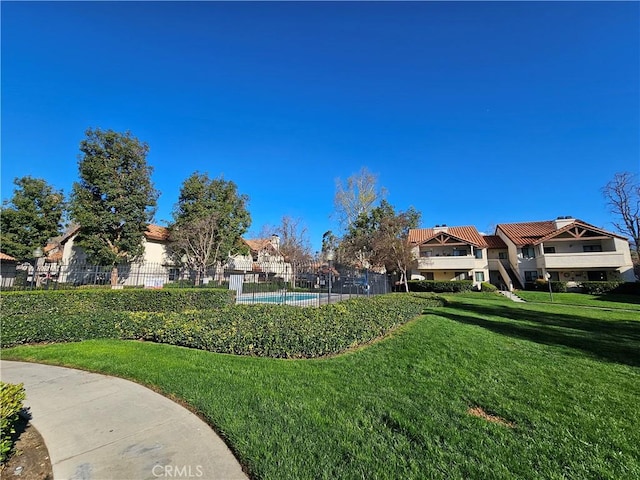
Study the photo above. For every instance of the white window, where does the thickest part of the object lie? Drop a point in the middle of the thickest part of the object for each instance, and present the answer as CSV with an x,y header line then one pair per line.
x,y
479,276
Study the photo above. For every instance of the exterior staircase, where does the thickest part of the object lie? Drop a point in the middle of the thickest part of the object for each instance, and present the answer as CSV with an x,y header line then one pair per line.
x,y
512,296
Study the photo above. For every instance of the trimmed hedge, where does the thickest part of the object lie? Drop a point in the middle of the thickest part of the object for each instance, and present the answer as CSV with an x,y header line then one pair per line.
x,y
280,331
11,400
543,286
440,287
488,287
600,288
71,302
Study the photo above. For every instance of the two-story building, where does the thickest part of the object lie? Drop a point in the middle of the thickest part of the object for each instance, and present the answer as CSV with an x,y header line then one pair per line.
x,y
449,253
565,249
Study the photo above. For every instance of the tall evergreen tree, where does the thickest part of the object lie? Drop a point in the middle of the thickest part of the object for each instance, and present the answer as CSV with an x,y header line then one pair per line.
x,y
210,218
115,200
32,216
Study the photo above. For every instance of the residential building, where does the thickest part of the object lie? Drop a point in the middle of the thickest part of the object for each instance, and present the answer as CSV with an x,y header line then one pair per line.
x,y
566,249
67,262
263,261
449,253
7,270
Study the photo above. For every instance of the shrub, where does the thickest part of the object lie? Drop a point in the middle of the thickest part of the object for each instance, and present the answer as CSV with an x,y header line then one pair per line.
x,y
440,287
265,330
281,331
600,288
70,302
628,288
542,285
11,399
487,287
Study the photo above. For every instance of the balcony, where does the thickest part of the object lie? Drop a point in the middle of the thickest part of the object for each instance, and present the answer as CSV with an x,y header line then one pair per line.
x,y
466,262
581,260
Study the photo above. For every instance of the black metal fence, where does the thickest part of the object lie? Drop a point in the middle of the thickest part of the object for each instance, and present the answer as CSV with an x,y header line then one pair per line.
x,y
308,284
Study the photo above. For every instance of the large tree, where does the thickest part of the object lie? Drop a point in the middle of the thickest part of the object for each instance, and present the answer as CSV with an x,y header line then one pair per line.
x,y
209,220
294,242
356,196
115,200
32,216
380,238
390,244
622,194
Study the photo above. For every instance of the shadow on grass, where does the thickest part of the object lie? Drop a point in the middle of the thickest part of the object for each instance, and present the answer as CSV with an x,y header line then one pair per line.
x,y
619,298
611,340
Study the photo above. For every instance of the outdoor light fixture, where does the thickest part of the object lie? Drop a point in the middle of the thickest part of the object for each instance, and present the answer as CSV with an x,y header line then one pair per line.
x,y
548,276
330,254
37,253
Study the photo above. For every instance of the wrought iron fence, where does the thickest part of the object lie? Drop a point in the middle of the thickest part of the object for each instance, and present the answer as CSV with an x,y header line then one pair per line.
x,y
304,284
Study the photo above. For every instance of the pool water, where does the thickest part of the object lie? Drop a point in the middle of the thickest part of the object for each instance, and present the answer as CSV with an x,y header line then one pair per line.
x,y
278,298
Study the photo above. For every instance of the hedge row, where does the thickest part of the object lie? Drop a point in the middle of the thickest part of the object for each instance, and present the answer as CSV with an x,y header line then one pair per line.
x,y
262,330
71,302
543,286
11,400
440,287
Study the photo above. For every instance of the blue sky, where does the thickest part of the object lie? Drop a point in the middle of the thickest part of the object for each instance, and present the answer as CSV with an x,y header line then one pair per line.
x,y
474,113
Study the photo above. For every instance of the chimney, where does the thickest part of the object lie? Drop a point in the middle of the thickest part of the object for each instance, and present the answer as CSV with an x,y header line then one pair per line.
x,y
441,228
275,241
562,222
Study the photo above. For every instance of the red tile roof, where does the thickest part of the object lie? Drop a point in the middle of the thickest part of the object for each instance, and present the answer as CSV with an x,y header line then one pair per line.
x,y
465,234
527,233
258,244
7,258
54,257
533,233
494,241
156,232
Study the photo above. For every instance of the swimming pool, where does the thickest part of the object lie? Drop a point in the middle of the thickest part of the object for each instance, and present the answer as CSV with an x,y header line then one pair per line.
x,y
290,298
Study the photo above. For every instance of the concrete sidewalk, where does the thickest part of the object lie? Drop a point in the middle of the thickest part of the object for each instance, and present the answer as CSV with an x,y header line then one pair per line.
x,y
100,427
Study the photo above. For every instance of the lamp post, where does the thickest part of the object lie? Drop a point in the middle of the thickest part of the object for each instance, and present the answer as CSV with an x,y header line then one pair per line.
x,y
548,276
37,254
330,255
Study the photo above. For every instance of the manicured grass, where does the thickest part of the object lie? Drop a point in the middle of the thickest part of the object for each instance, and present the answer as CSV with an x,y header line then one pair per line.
x,y
627,302
568,380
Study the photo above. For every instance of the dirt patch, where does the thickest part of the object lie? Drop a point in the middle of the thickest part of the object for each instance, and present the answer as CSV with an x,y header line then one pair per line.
x,y
480,413
30,459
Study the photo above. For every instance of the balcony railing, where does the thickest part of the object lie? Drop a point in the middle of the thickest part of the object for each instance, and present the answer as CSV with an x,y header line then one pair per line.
x,y
582,260
447,263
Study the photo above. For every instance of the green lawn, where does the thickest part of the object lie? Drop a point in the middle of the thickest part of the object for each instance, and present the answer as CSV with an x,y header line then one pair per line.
x,y
567,380
628,302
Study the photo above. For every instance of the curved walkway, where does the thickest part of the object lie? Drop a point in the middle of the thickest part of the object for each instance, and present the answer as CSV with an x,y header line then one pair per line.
x,y
100,427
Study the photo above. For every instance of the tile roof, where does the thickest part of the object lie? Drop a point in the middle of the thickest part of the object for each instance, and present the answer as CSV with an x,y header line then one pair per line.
x,y
7,258
494,241
465,234
533,233
258,244
54,257
156,232
527,233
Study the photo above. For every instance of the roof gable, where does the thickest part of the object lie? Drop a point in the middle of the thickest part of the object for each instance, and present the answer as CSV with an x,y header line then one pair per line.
x,y
534,233
467,235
